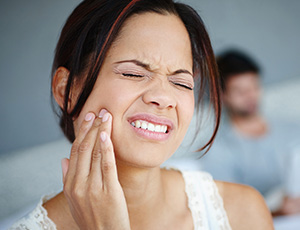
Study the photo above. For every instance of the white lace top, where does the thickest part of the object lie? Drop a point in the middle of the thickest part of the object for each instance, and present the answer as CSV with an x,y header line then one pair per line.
x,y
204,201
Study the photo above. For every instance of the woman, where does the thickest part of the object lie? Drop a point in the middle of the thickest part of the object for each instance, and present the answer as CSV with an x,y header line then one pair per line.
x,y
123,76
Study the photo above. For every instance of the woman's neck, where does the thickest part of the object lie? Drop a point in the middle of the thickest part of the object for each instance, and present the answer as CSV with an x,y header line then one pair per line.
x,y
143,189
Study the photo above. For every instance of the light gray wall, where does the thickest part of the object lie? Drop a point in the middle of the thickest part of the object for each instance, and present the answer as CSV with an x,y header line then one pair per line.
x,y
29,32
269,30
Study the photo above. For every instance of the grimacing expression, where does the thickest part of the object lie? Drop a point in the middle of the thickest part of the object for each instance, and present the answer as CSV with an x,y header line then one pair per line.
x,y
242,94
146,82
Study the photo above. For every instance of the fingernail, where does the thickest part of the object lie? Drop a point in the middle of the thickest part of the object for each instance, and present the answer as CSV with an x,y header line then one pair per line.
x,y
105,117
89,116
103,136
102,112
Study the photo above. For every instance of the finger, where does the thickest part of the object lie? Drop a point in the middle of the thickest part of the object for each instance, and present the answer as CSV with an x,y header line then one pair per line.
x,y
84,128
64,166
96,157
108,162
86,149
101,148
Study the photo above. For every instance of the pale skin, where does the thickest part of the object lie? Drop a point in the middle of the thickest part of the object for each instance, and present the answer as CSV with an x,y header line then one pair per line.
x,y
113,178
242,97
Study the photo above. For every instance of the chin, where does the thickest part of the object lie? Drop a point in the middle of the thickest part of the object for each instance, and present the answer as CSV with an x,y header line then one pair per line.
x,y
143,158
133,150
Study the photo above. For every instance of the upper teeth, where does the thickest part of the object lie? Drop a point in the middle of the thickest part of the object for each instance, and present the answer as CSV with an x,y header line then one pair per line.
x,y
149,126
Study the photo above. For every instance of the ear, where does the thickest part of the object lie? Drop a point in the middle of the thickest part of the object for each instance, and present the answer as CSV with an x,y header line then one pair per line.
x,y
59,83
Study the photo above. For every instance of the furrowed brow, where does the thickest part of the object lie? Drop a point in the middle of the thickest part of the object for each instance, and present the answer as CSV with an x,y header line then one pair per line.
x,y
147,66
136,62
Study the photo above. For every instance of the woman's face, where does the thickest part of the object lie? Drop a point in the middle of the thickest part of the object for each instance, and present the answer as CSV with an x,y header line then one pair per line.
x,y
145,83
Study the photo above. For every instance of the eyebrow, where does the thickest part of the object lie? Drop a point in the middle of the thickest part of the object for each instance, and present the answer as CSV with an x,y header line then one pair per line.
x,y
183,71
147,66
138,63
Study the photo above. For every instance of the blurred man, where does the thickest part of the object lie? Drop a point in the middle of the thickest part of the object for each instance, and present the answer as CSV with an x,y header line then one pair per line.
x,y
250,149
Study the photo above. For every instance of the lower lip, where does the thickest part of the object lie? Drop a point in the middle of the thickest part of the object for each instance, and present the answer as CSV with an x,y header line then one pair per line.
x,y
150,134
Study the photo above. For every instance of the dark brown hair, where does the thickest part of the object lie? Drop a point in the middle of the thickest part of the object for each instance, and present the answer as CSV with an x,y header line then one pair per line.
x,y
93,26
234,62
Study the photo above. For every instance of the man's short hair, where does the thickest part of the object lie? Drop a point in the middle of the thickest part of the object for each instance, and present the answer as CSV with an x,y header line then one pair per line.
x,y
233,62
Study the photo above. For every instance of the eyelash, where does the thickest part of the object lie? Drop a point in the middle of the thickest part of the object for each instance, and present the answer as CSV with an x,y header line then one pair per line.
x,y
131,75
139,76
184,86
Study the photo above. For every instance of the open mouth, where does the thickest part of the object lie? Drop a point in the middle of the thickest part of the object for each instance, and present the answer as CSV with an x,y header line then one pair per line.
x,y
141,124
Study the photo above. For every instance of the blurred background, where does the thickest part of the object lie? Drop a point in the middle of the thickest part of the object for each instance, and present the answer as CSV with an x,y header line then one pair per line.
x,y
267,30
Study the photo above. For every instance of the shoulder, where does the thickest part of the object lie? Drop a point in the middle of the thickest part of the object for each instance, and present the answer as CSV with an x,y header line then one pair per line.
x,y
245,207
38,218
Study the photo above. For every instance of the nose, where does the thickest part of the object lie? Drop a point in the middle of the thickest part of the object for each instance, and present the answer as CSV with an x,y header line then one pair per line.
x,y
159,95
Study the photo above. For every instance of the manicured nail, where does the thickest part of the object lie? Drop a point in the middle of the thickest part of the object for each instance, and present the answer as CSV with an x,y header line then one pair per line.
x,y
102,112
105,117
89,116
103,136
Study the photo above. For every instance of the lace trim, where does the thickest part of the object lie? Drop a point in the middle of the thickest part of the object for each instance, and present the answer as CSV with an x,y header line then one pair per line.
x,y
195,201
38,219
218,204
205,202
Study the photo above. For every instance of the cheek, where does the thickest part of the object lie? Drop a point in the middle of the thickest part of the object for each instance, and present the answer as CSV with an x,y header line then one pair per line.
x,y
118,99
239,101
104,96
235,98
186,109
257,94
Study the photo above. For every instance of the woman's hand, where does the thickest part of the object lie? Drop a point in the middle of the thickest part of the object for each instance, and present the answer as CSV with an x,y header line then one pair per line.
x,y
91,185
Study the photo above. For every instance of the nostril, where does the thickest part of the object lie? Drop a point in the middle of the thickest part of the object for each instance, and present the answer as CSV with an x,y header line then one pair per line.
x,y
160,99
154,102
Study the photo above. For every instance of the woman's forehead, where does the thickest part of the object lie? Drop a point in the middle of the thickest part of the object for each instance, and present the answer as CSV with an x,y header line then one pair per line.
x,y
153,39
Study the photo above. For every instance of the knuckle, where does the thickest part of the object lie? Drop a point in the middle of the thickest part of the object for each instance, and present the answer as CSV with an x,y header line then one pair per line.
x,y
109,149
107,165
74,148
85,127
84,146
77,192
96,154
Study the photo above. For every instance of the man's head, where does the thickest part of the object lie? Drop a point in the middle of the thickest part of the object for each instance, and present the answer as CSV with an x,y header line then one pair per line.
x,y
240,83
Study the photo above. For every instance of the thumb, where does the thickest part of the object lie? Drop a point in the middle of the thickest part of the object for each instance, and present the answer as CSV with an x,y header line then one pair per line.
x,y
65,167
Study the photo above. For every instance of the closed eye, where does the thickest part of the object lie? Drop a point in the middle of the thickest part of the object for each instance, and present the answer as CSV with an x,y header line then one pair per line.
x,y
131,75
182,85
